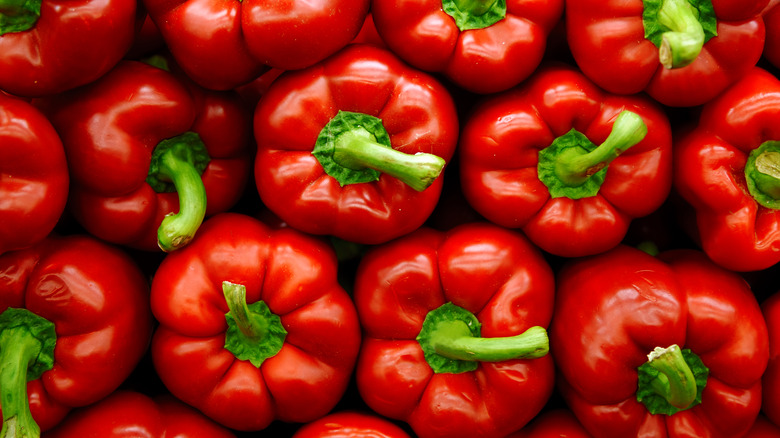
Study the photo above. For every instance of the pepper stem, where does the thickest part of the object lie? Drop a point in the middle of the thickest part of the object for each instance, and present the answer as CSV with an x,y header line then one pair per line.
x,y
180,161
683,42
253,332
452,339
573,166
26,351
676,382
18,15
474,7
357,149
251,325
762,174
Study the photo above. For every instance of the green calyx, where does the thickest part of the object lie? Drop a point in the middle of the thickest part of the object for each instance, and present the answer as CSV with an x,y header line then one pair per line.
x,y
18,15
253,333
176,166
762,174
355,148
451,342
26,351
679,28
475,14
672,380
572,166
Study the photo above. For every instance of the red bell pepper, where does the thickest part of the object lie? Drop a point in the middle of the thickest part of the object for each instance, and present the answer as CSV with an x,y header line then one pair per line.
x,y
127,413
454,330
763,428
146,150
75,322
49,46
771,382
354,146
665,346
350,424
227,44
33,175
681,52
723,169
553,423
254,326
529,159
772,22
483,46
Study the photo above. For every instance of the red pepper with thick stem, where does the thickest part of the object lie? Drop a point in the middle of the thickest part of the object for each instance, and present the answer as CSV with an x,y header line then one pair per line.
x,y
665,346
772,22
49,46
771,382
725,168
128,413
454,330
566,162
33,175
75,322
254,326
484,46
350,424
355,146
151,154
227,44
681,52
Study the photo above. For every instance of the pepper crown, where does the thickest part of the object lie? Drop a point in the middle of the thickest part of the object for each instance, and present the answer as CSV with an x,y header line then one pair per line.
x,y
254,333
679,28
762,174
18,15
475,14
672,380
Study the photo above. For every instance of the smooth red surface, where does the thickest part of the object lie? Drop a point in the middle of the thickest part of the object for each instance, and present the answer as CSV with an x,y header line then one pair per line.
x,y
771,381
553,423
350,424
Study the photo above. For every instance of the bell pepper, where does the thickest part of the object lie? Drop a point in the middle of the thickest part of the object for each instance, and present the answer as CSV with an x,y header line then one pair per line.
x,y
723,169
671,345
771,382
483,46
224,45
681,52
355,146
763,428
552,158
33,175
553,423
129,412
454,330
254,326
74,323
49,46
151,154
772,22
349,424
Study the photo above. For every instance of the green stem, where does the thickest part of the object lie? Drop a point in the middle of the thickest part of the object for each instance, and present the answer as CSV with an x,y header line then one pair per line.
x,y
453,339
762,174
357,149
676,382
474,7
180,161
18,15
251,325
683,42
573,167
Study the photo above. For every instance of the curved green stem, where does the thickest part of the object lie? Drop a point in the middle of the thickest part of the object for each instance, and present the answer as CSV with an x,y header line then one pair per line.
x,y
573,166
180,161
18,15
357,149
250,324
683,42
675,383
452,339
253,332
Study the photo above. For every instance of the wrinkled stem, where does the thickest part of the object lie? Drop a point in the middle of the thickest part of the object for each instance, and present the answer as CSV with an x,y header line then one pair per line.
x,y
683,42
250,324
676,382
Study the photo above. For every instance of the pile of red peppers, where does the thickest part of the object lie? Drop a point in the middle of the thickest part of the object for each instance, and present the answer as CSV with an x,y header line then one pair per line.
x,y
390,218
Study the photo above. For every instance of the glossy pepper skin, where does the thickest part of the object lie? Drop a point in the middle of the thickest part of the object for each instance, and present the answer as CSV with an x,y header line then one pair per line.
x,y
112,130
222,45
197,350
97,299
494,273
68,45
479,56
616,310
348,424
553,423
128,413
412,112
33,175
771,16
771,382
607,41
737,225
501,161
